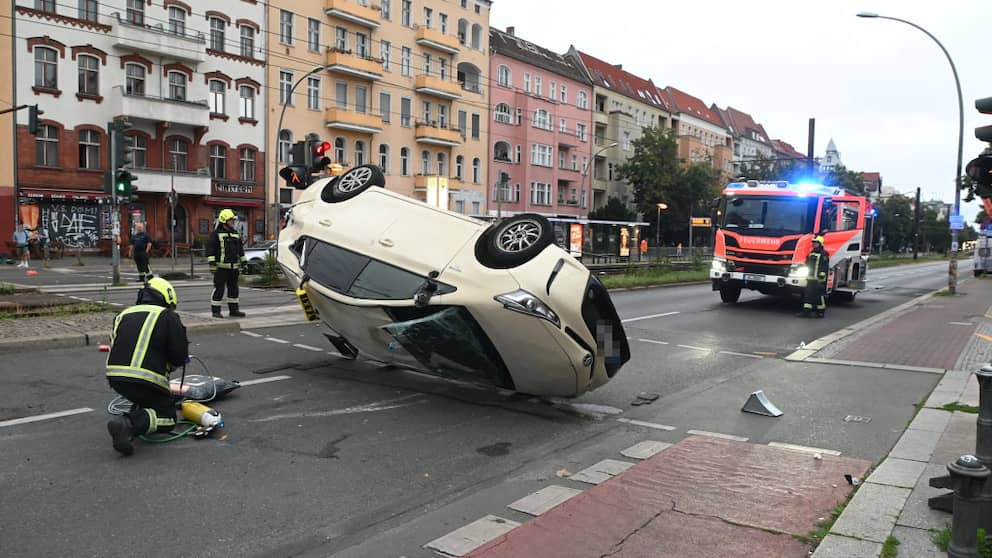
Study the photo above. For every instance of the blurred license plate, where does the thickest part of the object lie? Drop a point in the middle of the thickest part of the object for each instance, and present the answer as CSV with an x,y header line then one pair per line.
x,y
753,277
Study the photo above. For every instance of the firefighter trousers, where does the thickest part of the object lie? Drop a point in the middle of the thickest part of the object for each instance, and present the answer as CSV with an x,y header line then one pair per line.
x,y
814,297
152,408
225,277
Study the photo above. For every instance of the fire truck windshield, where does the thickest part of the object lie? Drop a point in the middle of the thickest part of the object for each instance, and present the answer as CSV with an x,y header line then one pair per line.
x,y
769,215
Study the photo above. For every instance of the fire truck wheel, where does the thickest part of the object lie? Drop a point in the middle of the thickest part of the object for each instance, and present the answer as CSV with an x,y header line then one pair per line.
x,y
730,293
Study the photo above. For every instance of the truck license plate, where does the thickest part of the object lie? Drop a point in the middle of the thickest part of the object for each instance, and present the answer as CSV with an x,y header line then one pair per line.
x,y
753,277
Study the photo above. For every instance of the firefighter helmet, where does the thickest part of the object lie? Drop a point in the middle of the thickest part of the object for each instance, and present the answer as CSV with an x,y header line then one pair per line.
x,y
226,215
818,239
164,288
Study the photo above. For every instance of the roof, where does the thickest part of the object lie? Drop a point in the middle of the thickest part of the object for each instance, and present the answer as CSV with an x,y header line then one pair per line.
x,y
615,78
685,103
743,125
871,175
786,149
527,52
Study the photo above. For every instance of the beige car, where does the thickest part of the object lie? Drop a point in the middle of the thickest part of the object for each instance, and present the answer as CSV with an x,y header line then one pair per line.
x,y
409,284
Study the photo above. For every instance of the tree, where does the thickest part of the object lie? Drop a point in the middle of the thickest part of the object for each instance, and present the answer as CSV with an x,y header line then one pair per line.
x,y
895,222
765,169
851,181
614,210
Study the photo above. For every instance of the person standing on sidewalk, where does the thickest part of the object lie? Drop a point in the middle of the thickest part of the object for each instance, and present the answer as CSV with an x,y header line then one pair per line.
x,y
817,265
141,245
226,257
21,239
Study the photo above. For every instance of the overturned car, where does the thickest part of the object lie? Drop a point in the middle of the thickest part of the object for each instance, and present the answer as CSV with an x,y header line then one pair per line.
x,y
405,283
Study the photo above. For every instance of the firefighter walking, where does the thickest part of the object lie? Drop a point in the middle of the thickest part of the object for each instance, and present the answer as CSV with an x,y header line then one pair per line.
x,y
226,258
818,265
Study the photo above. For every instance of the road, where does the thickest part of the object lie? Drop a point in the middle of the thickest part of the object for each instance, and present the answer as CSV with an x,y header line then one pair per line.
x,y
326,457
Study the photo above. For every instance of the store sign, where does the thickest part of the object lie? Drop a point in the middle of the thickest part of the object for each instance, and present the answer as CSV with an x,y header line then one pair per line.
x,y
234,187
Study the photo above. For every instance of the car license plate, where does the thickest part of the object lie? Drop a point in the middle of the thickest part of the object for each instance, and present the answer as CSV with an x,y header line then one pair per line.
x,y
753,277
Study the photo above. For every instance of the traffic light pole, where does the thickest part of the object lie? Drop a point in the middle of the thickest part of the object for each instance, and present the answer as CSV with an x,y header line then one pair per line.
x,y
115,260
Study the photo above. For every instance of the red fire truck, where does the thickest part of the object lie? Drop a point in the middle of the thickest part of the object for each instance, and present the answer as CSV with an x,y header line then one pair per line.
x,y
764,233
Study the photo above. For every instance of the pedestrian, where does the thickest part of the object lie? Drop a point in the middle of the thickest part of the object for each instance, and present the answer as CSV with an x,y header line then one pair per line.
x,y
817,266
21,239
644,246
141,248
678,250
148,342
226,257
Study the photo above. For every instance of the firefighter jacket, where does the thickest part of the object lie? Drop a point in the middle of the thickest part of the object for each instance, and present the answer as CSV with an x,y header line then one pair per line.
x,y
224,249
148,342
818,263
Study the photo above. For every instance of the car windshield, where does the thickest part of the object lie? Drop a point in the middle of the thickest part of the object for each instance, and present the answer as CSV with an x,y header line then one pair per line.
x,y
769,215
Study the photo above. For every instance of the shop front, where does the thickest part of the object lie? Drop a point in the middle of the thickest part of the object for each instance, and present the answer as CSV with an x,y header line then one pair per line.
x,y
73,219
245,199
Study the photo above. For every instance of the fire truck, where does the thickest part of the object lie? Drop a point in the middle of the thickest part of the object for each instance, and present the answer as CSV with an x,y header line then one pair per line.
x,y
764,233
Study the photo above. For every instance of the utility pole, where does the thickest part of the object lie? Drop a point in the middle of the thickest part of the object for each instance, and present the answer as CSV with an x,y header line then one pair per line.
x,y
809,145
115,215
916,226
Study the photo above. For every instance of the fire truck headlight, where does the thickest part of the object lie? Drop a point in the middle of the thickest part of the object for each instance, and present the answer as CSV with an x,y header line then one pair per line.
x,y
718,266
798,270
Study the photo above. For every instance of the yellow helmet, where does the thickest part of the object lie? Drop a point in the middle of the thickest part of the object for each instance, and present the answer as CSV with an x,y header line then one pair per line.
x,y
226,215
164,288
818,239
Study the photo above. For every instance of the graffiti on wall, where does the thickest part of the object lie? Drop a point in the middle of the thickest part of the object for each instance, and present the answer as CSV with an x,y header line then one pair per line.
x,y
75,224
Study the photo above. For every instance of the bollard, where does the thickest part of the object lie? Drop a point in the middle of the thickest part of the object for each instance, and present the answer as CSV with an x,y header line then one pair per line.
x,y
967,477
983,442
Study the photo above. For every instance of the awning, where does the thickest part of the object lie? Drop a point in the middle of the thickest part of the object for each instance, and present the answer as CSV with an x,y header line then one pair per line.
x,y
71,195
235,202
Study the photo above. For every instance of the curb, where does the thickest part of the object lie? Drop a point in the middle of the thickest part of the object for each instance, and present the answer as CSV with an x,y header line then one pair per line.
x,y
73,340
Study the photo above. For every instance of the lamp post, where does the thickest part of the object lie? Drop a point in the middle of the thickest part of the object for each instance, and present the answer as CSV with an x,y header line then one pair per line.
x,y
585,173
952,269
657,236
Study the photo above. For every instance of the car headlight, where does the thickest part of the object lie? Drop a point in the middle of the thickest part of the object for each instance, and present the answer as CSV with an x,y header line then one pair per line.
x,y
798,270
526,303
718,266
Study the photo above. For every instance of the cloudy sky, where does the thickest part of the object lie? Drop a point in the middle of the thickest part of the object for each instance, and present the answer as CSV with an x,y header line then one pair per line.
x,y
881,89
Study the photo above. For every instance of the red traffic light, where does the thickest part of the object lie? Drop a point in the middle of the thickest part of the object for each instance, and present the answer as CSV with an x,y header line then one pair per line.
x,y
322,147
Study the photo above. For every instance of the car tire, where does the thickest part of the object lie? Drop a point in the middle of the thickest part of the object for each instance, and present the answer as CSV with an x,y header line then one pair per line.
x,y
352,183
730,293
514,241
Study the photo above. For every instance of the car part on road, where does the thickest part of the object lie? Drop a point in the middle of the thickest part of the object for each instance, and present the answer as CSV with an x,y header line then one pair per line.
x,y
352,183
346,349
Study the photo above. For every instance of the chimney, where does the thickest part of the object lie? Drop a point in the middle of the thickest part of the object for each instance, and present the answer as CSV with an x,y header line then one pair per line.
x,y
510,31
618,66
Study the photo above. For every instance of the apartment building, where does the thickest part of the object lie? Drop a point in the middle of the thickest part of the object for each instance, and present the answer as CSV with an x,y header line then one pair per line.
x,y
540,131
751,143
623,105
783,150
7,197
188,78
399,84
702,135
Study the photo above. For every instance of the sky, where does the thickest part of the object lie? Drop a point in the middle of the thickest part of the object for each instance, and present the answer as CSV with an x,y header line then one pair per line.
x,y
883,90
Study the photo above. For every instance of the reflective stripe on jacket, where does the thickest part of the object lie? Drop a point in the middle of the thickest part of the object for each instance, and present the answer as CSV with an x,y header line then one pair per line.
x,y
148,341
224,249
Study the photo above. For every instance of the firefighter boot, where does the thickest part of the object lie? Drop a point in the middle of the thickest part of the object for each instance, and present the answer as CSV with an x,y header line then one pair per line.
x,y
235,313
216,312
120,431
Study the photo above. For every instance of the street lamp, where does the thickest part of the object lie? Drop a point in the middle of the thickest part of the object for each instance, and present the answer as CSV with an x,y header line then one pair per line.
x,y
952,269
585,172
657,236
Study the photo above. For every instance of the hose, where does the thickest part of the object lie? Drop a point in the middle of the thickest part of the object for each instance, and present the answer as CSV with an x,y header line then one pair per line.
x,y
193,426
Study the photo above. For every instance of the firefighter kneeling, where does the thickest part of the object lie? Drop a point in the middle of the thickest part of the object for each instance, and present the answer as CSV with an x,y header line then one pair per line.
x,y
818,264
148,342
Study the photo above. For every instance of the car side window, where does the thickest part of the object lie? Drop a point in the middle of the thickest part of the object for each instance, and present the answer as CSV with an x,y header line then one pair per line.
x,y
331,266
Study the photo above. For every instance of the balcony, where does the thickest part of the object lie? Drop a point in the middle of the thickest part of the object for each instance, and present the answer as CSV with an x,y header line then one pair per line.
x,y
430,38
342,119
162,181
157,109
436,87
352,11
434,135
156,39
344,62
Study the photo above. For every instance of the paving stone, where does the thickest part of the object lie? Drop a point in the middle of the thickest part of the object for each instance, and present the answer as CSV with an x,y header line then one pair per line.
x,y
898,472
544,499
602,471
917,513
917,445
836,546
957,440
645,449
872,513
931,420
466,539
916,543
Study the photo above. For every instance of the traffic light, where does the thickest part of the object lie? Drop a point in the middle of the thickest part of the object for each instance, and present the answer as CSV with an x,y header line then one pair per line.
x,y
121,181
319,160
123,184
33,113
984,106
296,176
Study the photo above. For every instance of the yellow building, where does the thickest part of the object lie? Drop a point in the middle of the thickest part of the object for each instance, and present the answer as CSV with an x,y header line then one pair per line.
x,y
7,122
398,84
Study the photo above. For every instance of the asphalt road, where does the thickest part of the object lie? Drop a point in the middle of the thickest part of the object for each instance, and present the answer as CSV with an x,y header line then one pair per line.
x,y
327,457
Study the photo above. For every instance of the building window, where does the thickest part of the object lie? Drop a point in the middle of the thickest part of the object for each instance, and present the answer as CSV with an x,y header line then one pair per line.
x,y
285,144
247,42
216,96
341,38
247,164
384,158
89,75
361,99
564,94
179,154
384,47
537,85
135,80
384,106
341,94
405,61
405,111
541,154
581,99
626,141
247,109
385,7
285,27
563,126
425,162
580,130
428,18
47,146
135,11
406,11
87,10
339,149
475,125
46,68
217,33
359,152
285,86
460,167
45,6
542,119
442,115
442,165
177,20
427,112
463,123
540,193
502,113
501,151
460,206
405,161
313,93
313,34
177,86
428,59
140,152
476,169
218,161
443,23
503,75
517,154
553,91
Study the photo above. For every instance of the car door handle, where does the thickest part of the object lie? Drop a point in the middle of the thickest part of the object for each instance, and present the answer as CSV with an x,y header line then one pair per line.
x,y
386,242
325,222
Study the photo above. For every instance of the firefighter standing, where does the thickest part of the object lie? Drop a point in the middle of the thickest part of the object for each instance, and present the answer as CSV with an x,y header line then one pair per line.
x,y
817,264
226,257
148,341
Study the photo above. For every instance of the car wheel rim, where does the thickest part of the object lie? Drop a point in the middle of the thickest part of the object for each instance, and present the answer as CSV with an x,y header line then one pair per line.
x,y
354,180
519,236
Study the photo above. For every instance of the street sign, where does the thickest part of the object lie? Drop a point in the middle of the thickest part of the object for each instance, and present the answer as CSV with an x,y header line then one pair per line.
x,y
956,222
701,222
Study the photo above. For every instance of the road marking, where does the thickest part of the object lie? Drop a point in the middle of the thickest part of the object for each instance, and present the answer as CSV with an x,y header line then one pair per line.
x,y
693,347
76,298
252,334
960,323
806,449
716,435
764,353
653,341
263,380
654,425
37,418
308,347
741,354
116,304
985,337
628,320
277,340
373,407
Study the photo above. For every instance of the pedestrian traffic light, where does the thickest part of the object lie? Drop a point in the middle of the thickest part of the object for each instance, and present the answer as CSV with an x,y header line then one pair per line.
x,y
33,113
984,106
319,160
980,170
296,176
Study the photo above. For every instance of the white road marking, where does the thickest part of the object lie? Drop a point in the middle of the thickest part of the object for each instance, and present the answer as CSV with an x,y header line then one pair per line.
x,y
252,334
716,435
961,323
367,408
740,354
37,418
277,340
263,380
654,425
76,298
308,347
653,341
116,304
806,449
639,318
693,347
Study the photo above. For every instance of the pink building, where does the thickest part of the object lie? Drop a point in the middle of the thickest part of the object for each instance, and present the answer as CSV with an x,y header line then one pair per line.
x,y
540,135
